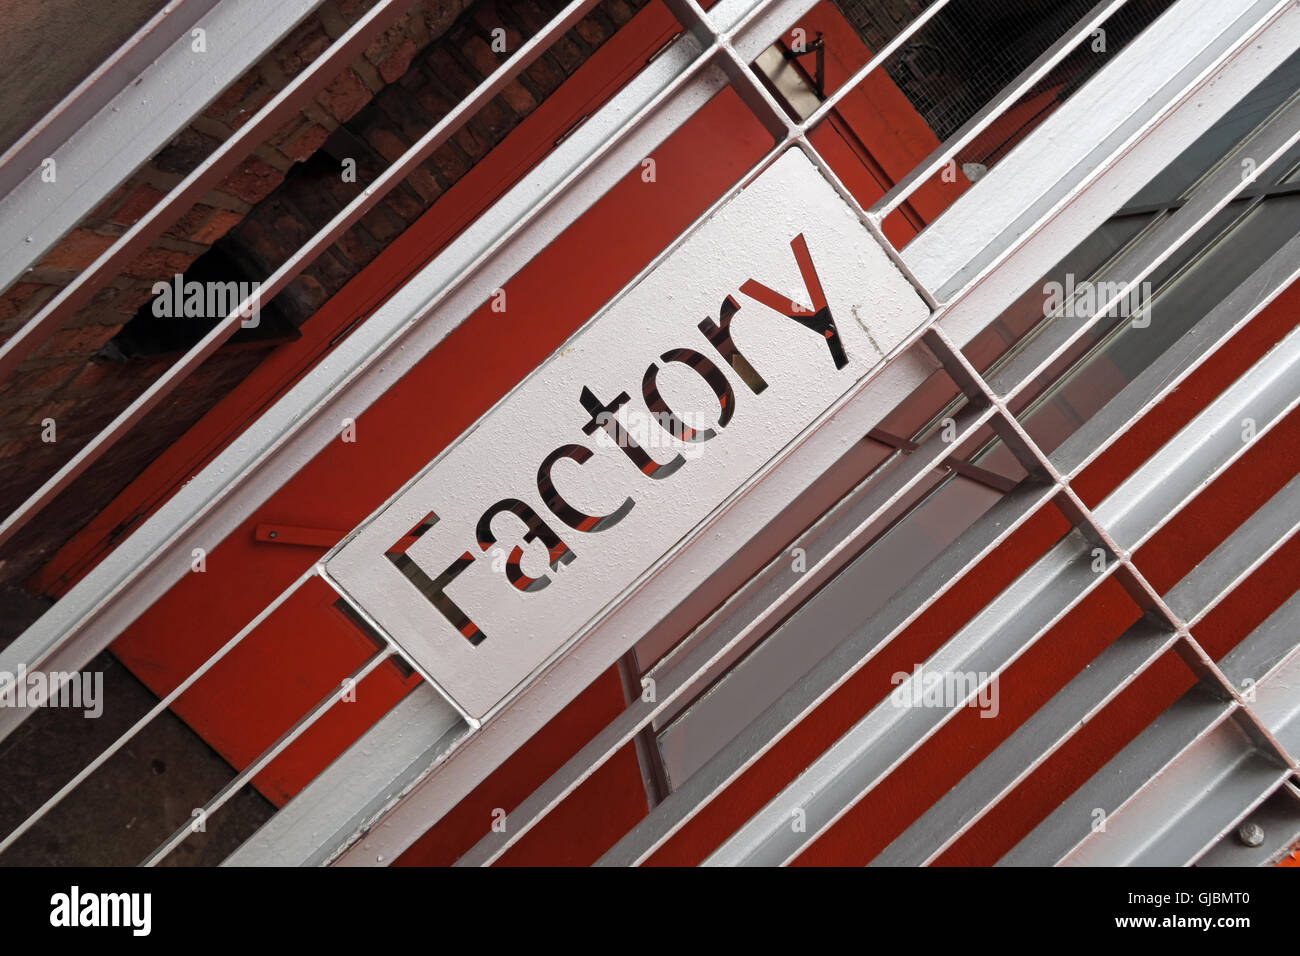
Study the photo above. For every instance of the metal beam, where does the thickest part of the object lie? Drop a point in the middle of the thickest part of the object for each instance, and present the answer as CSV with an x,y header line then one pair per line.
x,y
1043,734
100,153
1193,768
1134,511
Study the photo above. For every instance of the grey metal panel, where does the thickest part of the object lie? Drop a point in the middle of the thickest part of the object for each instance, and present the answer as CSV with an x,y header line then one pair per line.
x,y
1083,697
844,605
1131,513
1267,647
766,599
1256,540
1191,717
98,89
1187,807
1279,819
878,743
1204,447
815,686
1029,746
1155,246
1184,356
353,791
136,123
1271,682
1183,766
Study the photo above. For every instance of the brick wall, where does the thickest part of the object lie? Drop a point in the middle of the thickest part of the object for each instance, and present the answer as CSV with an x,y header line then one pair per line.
x,y
287,189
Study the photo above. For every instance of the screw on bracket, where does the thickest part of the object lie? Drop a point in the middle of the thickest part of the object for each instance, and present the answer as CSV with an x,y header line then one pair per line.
x,y
1251,834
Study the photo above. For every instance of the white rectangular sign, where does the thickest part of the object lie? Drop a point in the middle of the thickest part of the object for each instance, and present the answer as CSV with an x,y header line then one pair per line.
x,y
628,437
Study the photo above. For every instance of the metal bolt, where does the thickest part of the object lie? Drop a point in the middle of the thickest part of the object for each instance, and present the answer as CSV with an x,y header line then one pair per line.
x,y
1251,834
273,534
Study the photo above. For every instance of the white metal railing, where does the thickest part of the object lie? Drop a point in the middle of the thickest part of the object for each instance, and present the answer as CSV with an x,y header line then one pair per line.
x,y
1190,54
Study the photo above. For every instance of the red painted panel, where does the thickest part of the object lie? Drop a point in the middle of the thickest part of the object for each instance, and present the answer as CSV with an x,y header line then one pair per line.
x,y
1063,651
417,418
605,807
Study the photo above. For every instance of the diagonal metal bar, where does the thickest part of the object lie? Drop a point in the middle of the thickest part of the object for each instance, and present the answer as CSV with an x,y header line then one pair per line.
x,y
263,760
163,703
829,545
829,674
1158,244
1043,734
281,277
130,107
493,239
209,173
1131,514
1048,60
1160,778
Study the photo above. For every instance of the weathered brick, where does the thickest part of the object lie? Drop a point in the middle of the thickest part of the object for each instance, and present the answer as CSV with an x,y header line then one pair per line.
x,y
489,18
397,61
253,180
449,74
354,9
131,299
546,74
519,100
82,341
93,373
592,31
424,181
13,449
405,111
76,250
105,208
22,300
155,263
185,152
235,93
475,52
473,145
51,377
385,139
449,163
305,142
301,47
439,15
568,54
53,410
404,203
432,103
222,221
194,217
383,224
619,11
531,14
345,96
497,117
357,246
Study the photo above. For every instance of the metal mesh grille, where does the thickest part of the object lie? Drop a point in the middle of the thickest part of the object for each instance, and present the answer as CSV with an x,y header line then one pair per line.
x,y
973,49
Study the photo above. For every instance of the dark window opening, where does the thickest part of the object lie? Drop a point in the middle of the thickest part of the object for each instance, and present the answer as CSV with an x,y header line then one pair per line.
x,y
212,287
972,49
